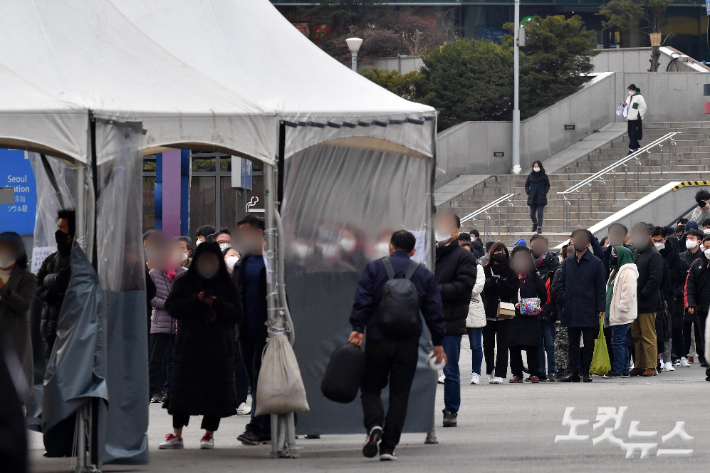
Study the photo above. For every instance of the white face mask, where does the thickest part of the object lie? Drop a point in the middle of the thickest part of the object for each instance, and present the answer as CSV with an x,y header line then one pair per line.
x,y
183,258
706,231
659,246
6,260
690,244
224,246
197,243
348,244
707,253
302,251
231,261
442,236
382,249
536,169
328,250
631,92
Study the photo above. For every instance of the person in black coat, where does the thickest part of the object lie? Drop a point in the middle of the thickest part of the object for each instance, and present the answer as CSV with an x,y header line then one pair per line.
x,y
546,264
455,273
525,329
697,297
676,273
537,185
650,266
207,307
583,285
501,285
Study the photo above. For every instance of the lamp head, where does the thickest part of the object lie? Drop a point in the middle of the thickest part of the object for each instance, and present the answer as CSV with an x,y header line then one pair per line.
x,y
354,44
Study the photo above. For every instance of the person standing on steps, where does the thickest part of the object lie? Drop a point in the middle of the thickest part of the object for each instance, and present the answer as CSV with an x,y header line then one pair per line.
x,y
637,109
537,186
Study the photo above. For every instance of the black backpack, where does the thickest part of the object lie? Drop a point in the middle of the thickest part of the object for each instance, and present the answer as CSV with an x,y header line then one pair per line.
x,y
344,374
398,309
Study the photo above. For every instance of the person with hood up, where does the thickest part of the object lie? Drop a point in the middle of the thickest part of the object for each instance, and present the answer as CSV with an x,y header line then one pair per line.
x,y
207,307
621,308
637,109
537,185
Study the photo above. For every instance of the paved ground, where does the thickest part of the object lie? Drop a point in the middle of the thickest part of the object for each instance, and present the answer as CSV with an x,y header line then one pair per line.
x,y
501,428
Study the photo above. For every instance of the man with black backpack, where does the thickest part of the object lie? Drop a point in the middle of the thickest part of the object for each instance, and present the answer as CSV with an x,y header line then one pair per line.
x,y
455,275
390,295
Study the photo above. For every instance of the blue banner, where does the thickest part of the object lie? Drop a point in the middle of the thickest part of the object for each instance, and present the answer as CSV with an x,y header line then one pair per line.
x,y
16,172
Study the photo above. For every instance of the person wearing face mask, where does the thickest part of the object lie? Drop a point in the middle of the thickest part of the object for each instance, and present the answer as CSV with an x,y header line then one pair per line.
x,y
637,109
207,307
455,273
697,297
617,234
53,278
583,288
537,185
650,266
186,247
501,285
17,289
672,293
621,309
163,328
351,241
249,277
202,233
231,258
546,265
702,211
223,238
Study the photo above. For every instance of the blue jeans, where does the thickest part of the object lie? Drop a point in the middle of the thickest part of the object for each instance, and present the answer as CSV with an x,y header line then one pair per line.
x,y
474,337
621,351
547,336
452,386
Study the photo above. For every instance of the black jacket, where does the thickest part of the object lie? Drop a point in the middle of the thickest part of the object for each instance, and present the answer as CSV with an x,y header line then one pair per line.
x,y
238,279
455,274
687,257
650,267
478,248
202,381
697,286
537,185
547,265
499,289
524,329
583,288
52,283
676,270
369,291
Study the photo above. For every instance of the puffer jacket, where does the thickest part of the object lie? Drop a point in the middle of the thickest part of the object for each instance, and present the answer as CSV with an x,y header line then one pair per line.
x,y
52,283
476,312
160,320
624,303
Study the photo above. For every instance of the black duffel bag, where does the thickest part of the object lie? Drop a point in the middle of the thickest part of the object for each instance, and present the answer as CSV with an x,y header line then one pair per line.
x,y
344,373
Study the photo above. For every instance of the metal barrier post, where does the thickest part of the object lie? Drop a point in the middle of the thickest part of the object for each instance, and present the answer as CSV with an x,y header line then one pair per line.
x,y
499,222
566,211
637,175
487,227
591,196
579,209
661,162
614,177
509,217
649,166
602,196
673,156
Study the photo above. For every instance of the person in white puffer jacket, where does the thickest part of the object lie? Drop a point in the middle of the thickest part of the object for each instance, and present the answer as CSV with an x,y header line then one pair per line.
x,y
475,322
622,308
637,110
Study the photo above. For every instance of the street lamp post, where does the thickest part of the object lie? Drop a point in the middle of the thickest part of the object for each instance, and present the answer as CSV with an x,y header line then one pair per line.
x,y
516,86
354,46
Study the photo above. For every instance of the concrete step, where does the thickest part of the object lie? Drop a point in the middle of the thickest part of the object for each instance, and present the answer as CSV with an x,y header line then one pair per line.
x,y
675,125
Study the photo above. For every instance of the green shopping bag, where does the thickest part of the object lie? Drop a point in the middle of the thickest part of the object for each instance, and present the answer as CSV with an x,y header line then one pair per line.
x,y
600,360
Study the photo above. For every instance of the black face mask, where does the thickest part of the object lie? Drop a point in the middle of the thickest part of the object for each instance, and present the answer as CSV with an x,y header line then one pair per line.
x,y
702,204
62,244
500,258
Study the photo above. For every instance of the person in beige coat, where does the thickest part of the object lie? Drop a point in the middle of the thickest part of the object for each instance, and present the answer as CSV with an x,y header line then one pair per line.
x,y
475,321
622,308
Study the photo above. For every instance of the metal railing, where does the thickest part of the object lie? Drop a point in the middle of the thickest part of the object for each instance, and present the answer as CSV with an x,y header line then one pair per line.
x,y
496,204
601,177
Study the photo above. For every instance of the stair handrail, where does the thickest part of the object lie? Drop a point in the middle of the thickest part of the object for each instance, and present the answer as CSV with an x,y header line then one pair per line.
x,y
487,207
621,162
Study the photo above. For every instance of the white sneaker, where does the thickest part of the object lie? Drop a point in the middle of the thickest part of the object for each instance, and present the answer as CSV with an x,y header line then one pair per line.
x,y
660,360
207,442
496,380
475,378
172,442
442,378
631,366
677,363
668,366
684,362
244,409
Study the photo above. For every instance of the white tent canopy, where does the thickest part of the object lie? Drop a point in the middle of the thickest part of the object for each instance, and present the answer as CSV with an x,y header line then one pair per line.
x,y
248,46
89,55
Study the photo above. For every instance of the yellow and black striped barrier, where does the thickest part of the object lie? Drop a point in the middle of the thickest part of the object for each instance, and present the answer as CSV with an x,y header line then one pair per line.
x,y
691,184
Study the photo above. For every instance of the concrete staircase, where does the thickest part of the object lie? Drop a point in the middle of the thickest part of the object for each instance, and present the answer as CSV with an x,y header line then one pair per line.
x,y
693,163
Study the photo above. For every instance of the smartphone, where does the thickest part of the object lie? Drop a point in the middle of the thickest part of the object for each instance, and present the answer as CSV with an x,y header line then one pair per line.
x,y
209,293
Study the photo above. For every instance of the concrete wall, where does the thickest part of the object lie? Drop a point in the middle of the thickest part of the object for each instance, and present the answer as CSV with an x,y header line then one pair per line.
x,y
468,148
401,64
637,60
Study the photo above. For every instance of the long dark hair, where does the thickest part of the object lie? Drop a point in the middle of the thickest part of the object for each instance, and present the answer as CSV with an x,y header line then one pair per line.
x,y
18,247
496,247
542,168
222,280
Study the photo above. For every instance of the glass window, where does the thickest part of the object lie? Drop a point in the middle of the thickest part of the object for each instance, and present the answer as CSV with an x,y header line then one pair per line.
x,y
149,165
148,202
225,163
204,164
203,208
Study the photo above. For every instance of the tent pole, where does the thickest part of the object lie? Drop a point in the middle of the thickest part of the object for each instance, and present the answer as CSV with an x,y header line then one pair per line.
x,y
431,210
281,162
